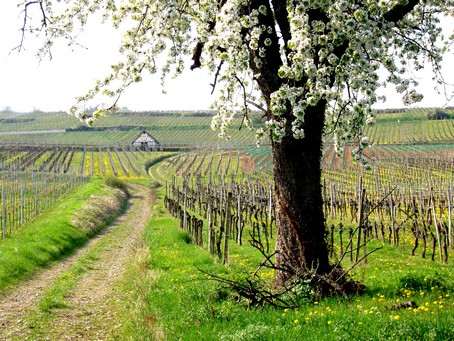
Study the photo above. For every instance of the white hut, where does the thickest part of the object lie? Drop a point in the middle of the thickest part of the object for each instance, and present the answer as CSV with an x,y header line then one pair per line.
x,y
146,142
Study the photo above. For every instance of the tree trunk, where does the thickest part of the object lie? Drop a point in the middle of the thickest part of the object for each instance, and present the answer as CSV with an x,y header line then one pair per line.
x,y
300,223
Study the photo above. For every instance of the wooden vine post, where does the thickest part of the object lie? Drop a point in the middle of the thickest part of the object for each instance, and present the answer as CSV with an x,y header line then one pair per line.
x,y
227,226
450,234
362,192
3,211
270,211
240,218
210,224
184,204
437,230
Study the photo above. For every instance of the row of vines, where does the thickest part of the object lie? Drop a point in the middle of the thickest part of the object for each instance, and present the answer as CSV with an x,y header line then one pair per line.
x,y
402,127
405,200
227,205
33,179
26,193
122,162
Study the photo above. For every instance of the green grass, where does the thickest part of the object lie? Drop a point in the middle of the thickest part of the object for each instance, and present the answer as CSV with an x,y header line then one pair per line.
x,y
174,301
50,237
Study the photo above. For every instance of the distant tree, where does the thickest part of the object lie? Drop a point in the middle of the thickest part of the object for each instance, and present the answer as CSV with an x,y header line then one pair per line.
x,y
438,114
314,63
6,109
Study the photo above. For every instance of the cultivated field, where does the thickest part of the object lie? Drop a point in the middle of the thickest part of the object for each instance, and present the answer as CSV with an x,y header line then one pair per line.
x,y
395,217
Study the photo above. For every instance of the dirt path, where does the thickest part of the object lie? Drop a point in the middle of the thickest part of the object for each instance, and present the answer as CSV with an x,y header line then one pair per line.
x,y
88,315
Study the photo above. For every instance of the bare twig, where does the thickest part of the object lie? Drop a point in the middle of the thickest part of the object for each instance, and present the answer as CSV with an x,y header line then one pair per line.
x,y
25,21
245,102
218,71
258,106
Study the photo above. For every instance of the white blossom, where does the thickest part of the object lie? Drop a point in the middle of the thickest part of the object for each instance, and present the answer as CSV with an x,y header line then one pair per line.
x,y
333,57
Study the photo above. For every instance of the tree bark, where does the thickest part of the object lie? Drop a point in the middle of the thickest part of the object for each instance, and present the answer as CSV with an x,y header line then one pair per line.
x,y
300,223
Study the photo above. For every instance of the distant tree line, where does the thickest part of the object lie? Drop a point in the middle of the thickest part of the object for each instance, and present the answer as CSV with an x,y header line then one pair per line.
x,y
403,110
438,114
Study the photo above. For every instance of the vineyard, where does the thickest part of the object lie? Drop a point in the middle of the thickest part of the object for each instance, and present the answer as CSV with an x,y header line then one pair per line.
x,y
405,198
193,128
170,129
26,194
34,178
389,226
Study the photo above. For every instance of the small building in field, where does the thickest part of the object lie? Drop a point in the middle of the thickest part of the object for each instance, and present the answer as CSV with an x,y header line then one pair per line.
x,y
146,142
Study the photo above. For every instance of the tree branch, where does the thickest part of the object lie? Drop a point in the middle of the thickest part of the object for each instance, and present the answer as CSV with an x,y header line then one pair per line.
x,y
258,106
399,11
26,17
197,55
213,85
245,102
199,46
281,15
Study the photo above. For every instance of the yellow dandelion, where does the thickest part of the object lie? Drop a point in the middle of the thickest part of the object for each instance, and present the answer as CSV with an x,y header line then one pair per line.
x,y
296,321
329,322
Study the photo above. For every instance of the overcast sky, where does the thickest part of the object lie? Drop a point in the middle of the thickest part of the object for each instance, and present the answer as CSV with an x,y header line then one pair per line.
x,y
26,83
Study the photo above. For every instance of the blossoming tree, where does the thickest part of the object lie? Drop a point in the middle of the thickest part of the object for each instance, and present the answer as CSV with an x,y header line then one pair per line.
x,y
311,65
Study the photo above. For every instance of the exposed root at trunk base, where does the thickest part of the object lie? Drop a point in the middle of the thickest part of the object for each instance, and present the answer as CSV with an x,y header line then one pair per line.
x,y
300,285
336,282
297,291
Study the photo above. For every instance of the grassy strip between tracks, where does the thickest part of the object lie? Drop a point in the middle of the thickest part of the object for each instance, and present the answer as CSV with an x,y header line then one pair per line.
x,y
59,231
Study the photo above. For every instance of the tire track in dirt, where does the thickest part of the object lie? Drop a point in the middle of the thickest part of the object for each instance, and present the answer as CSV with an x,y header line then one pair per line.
x,y
88,316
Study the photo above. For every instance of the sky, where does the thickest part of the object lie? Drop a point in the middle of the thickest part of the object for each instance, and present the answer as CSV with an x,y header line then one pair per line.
x,y
51,85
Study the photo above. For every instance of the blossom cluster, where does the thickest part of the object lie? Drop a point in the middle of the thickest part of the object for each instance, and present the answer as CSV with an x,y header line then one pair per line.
x,y
332,52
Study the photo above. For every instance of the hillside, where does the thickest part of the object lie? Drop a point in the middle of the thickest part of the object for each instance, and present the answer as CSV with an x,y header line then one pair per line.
x,y
169,128
193,128
168,268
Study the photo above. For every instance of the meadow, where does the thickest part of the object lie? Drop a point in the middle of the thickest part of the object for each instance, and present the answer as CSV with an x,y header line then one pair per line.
x,y
215,198
406,297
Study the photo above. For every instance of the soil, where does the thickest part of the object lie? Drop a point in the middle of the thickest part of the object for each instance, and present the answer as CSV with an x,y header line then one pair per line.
x,y
88,315
248,163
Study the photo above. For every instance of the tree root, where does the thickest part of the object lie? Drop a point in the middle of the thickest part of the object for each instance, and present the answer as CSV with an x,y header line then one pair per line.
x,y
300,290
304,285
